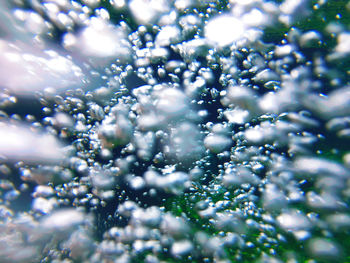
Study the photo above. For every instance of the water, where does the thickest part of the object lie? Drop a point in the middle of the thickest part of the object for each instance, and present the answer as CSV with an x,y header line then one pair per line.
x,y
164,131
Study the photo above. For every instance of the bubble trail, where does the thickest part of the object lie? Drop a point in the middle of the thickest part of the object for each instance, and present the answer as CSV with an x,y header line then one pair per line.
x,y
162,131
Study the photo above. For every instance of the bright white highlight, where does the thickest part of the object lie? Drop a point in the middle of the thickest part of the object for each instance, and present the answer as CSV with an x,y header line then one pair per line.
x,y
224,30
21,143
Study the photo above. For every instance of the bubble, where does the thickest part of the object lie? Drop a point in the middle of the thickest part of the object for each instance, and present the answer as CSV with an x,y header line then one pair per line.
x,y
148,11
150,217
167,35
127,207
265,76
80,244
36,69
181,248
174,225
339,222
342,46
310,39
63,220
96,112
324,249
293,220
21,143
145,144
292,10
274,198
224,30
184,130
44,205
237,116
100,41
316,166
115,131
171,102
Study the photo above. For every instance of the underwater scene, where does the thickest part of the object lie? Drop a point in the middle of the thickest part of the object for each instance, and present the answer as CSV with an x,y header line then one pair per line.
x,y
174,131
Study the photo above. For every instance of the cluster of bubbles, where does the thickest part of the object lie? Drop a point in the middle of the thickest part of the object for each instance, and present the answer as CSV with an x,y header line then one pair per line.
x,y
182,130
